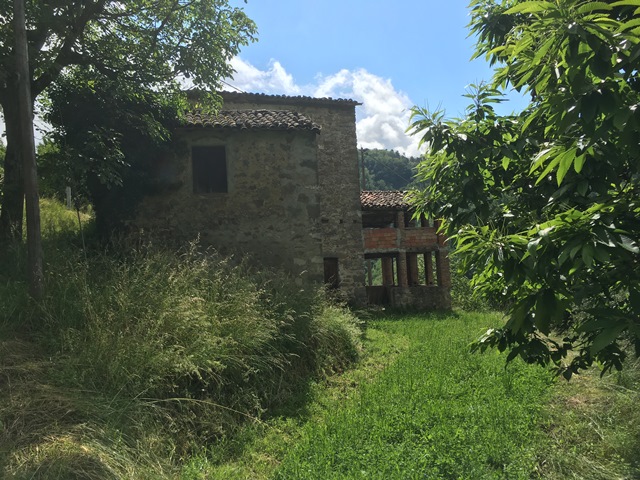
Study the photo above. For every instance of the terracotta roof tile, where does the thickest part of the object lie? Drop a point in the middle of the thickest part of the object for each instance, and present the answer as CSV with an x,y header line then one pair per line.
x,y
252,120
288,99
380,200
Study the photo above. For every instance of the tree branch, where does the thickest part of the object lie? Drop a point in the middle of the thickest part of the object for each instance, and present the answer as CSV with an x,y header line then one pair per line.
x,y
66,55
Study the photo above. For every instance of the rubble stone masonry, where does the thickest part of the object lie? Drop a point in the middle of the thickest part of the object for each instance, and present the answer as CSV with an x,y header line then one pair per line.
x,y
293,195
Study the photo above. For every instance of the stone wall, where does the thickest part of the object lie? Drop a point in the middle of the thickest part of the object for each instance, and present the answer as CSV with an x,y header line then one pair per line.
x,y
338,179
271,211
293,196
422,297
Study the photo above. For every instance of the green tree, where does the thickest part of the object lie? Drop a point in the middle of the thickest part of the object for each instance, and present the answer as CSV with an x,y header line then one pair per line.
x,y
388,170
544,206
109,142
143,45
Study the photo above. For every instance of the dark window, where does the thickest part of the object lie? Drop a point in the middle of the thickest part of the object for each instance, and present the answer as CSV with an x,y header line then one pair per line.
x,y
209,169
331,277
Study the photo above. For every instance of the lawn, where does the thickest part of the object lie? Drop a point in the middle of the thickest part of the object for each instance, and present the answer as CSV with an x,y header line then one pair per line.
x,y
437,412
419,406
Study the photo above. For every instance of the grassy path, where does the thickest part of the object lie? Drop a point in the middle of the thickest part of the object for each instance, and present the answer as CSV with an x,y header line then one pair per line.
x,y
437,412
420,406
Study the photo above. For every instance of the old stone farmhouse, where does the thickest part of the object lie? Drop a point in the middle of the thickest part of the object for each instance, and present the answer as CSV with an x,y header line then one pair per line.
x,y
277,178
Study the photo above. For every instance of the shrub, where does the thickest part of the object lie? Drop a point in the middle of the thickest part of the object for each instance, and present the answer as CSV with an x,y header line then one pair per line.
x,y
463,294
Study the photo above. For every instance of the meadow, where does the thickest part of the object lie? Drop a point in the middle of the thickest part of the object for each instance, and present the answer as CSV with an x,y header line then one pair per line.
x,y
145,363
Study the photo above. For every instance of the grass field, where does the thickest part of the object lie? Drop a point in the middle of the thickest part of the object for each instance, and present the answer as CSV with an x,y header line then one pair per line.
x,y
253,379
437,412
420,405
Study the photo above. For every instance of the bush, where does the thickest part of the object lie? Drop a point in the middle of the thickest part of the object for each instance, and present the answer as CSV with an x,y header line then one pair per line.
x,y
463,294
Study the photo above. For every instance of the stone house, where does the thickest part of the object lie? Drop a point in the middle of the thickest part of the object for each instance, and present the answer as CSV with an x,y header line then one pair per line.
x,y
277,178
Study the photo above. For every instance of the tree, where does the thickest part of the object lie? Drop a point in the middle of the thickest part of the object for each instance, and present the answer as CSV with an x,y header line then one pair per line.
x,y
109,142
144,44
544,205
388,170
27,152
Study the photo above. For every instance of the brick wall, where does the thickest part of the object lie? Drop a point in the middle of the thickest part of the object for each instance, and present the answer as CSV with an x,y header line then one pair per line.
x,y
382,239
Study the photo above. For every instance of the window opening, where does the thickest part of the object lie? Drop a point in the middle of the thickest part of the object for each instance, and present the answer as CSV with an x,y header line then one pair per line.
x,y
209,169
331,277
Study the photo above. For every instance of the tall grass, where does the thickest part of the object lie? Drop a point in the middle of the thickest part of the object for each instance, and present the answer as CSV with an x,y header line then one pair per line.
x,y
136,359
593,424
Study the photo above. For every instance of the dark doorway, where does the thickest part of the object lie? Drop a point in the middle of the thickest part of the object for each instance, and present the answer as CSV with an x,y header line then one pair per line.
x,y
331,274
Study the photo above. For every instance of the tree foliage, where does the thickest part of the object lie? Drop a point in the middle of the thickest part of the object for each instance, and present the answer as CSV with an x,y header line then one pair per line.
x,y
142,45
388,170
544,205
106,141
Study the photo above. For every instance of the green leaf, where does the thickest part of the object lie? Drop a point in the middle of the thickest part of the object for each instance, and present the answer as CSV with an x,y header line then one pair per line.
x,y
552,164
517,318
564,164
541,157
626,3
606,337
601,254
591,6
629,25
628,244
544,48
587,254
579,163
546,305
530,7
589,107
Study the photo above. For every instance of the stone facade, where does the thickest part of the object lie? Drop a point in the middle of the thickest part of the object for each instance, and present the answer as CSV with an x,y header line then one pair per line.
x,y
276,179
292,192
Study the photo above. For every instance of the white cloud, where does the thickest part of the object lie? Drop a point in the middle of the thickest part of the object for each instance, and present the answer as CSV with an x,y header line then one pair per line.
x,y
381,120
274,80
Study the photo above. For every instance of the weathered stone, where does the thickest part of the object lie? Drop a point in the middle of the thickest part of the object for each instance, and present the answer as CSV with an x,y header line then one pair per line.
x,y
293,199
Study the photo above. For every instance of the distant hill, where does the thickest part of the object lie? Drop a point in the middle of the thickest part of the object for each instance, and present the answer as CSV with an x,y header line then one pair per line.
x,y
388,169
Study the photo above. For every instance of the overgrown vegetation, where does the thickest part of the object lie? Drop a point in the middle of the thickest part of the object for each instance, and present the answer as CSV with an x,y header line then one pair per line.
x,y
593,426
419,405
134,361
156,365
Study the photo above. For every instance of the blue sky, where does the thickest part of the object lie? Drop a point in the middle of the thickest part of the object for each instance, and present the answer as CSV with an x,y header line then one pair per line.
x,y
388,55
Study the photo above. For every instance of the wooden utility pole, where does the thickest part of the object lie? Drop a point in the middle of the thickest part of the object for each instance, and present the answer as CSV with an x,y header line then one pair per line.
x,y
27,150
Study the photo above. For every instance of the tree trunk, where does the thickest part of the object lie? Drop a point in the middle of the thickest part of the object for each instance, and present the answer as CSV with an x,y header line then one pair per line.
x,y
28,154
12,208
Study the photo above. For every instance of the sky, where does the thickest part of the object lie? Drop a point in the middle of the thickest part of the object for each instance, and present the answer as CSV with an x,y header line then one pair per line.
x,y
388,55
